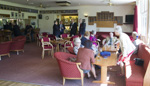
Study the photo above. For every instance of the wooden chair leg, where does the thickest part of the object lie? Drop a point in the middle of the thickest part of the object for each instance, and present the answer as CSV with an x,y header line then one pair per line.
x,y
8,55
52,53
64,81
43,54
82,80
17,52
49,52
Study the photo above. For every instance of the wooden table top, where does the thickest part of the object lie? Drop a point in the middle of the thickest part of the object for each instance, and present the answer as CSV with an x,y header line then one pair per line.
x,y
109,61
58,41
68,38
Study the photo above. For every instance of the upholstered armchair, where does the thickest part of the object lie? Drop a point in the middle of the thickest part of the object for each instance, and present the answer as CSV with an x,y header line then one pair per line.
x,y
47,46
4,48
18,44
69,70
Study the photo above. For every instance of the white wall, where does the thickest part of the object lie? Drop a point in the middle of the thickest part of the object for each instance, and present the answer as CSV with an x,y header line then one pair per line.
x,y
47,25
91,11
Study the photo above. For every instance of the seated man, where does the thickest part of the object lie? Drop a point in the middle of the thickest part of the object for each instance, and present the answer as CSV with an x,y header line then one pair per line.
x,y
136,41
77,45
111,40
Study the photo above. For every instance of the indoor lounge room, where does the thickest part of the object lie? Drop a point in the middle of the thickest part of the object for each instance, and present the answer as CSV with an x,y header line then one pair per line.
x,y
74,42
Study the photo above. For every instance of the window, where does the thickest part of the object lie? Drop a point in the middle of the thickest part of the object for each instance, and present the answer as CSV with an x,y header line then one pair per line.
x,y
143,20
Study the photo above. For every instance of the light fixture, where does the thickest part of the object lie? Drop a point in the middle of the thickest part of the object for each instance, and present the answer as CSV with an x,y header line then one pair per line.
x,y
85,15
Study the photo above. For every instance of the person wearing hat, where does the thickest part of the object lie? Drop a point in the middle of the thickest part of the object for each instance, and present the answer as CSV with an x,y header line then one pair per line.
x,y
77,45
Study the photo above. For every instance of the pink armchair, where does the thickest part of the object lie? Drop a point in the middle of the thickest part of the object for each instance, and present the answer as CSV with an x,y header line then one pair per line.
x,y
4,48
18,44
69,70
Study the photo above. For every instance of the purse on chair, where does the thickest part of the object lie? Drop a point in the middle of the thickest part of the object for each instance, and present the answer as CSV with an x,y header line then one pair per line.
x,y
139,61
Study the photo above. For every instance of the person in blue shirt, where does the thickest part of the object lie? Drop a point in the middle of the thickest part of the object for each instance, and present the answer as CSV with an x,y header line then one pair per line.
x,y
62,27
85,37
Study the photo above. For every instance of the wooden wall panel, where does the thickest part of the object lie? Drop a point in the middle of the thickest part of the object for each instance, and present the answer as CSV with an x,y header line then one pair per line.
x,y
105,23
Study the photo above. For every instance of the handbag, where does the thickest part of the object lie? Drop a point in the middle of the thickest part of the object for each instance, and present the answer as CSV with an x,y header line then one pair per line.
x,y
139,61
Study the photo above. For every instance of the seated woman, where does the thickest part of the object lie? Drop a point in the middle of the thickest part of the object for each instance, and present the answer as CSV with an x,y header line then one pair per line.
x,y
111,40
136,41
86,57
94,39
85,37
77,45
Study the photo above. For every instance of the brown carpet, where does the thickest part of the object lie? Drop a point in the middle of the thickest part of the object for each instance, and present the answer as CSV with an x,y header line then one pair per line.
x,y
30,68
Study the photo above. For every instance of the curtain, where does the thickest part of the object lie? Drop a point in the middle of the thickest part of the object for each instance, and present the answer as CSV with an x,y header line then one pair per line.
x,y
135,23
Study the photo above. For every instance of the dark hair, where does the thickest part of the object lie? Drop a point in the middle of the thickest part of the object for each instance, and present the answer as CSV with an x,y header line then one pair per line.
x,y
88,44
55,22
83,20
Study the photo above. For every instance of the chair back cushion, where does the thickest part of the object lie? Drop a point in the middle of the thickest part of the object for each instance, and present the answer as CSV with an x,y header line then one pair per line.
x,y
64,35
68,69
52,37
46,39
73,37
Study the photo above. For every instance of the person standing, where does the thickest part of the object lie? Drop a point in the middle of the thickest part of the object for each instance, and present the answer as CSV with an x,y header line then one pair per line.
x,y
73,27
62,27
16,29
127,48
82,27
56,30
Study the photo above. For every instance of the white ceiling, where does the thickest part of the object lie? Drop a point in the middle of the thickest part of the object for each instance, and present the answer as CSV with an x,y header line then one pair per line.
x,y
51,3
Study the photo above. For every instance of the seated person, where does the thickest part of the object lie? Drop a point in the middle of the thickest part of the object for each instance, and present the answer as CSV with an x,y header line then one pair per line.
x,y
85,37
77,45
94,39
86,57
136,41
111,40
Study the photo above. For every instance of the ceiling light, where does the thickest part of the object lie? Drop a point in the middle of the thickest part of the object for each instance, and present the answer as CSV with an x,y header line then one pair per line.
x,y
63,3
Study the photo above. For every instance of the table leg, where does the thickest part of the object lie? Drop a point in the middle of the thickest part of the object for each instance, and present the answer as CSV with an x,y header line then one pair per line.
x,y
57,47
104,76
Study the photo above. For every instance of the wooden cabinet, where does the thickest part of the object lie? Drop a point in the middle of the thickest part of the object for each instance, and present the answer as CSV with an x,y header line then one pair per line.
x,y
105,19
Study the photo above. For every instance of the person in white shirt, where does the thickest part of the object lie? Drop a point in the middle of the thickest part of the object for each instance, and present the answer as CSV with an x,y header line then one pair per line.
x,y
77,45
111,40
136,41
127,48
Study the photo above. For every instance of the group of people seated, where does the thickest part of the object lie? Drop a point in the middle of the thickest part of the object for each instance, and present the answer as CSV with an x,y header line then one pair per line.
x,y
86,49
